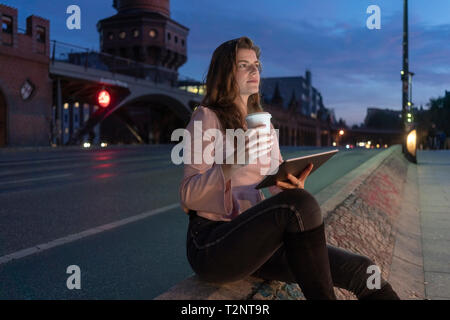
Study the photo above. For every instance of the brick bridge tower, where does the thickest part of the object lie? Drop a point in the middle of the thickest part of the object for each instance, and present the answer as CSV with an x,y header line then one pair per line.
x,y
142,30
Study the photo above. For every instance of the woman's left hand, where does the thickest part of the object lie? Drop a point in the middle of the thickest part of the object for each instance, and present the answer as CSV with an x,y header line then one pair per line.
x,y
296,183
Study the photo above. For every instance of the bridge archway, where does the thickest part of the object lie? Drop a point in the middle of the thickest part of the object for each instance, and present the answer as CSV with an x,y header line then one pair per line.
x,y
145,119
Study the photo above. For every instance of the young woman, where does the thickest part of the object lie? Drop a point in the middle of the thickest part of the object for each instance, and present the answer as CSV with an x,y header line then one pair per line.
x,y
233,231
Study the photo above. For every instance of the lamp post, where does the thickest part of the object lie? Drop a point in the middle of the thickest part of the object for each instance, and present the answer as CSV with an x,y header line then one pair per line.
x,y
405,69
408,119
409,142
339,137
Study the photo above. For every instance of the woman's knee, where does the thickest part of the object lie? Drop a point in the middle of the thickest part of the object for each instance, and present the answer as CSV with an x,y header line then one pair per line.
x,y
364,264
306,207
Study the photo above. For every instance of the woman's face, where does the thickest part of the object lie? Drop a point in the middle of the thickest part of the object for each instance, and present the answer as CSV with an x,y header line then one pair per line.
x,y
247,72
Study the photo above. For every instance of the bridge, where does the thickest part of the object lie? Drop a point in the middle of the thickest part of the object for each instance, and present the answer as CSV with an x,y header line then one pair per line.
x,y
80,73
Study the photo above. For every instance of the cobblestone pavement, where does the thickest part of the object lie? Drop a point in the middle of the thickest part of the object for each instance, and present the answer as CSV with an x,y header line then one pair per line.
x,y
363,223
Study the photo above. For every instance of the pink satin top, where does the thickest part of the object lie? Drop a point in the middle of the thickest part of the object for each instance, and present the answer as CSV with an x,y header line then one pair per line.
x,y
203,187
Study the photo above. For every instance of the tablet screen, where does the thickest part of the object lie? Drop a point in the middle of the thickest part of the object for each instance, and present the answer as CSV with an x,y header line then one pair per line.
x,y
295,166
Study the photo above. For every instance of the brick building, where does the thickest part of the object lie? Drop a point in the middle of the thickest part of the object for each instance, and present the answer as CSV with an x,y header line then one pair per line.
x,y
296,107
42,108
143,31
25,86
298,111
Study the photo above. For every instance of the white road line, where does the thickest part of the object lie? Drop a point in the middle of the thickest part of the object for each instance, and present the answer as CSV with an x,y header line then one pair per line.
x,y
88,163
83,234
36,179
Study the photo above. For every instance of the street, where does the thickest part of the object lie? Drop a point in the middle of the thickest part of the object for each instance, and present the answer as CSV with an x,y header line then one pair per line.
x,y
132,250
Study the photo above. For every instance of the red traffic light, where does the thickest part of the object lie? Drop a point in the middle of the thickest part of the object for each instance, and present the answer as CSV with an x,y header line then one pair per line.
x,y
103,98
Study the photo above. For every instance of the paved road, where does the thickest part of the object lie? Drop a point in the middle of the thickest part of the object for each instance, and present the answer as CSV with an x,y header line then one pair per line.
x,y
51,195
434,188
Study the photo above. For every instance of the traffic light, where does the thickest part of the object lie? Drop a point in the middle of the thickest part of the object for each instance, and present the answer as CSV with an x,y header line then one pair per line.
x,y
103,98
409,117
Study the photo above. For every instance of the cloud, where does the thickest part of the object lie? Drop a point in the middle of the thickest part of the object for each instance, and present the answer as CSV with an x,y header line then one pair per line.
x,y
352,66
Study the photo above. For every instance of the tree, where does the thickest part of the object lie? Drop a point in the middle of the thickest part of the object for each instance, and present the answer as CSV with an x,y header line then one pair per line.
x,y
341,123
439,113
383,119
435,121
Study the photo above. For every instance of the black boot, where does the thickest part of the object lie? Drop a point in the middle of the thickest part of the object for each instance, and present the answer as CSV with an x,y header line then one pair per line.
x,y
384,293
307,255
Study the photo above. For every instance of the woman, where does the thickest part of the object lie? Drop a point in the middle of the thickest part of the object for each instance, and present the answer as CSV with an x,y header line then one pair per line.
x,y
233,231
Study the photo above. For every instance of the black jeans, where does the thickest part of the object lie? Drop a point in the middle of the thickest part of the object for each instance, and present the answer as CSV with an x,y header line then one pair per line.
x,y
252,244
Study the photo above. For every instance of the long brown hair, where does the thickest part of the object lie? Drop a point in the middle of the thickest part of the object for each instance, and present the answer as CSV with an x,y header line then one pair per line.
x,y
221,85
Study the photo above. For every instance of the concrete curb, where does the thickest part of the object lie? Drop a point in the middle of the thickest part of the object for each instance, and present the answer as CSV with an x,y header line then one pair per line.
x,y
329,198
407,271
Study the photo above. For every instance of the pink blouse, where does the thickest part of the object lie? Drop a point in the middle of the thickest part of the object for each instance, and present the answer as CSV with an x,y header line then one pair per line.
x,y
203,187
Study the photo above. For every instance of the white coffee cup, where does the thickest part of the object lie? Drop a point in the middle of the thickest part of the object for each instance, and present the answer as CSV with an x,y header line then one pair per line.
x,y
258,118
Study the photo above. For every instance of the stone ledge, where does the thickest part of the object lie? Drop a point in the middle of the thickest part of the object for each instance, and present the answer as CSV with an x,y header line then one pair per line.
x,y
365,213
407,272
194,289
330,197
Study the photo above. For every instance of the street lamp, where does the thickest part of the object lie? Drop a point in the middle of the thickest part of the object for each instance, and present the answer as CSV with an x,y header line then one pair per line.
x,y
338,138
409,142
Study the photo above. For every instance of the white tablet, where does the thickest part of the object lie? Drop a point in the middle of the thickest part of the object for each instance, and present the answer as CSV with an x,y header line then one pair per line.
x,y
295,166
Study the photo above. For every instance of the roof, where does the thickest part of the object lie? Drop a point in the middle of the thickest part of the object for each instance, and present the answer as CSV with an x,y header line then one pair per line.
x,y
286,86
138,14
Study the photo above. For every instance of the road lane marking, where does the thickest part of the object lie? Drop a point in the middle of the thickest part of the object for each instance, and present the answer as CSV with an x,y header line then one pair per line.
x,y
87,163
77,236
36,179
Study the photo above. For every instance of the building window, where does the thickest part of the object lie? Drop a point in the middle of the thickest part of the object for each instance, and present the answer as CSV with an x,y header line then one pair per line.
x,y
169,36
40,34
137,53
176,39
123,52
7,24
7,29
152,33
136,33
85,111
111,36
122,35
182,42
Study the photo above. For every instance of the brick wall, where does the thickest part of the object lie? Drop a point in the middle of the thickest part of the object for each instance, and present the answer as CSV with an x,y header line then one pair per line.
x,y
364,223
26,58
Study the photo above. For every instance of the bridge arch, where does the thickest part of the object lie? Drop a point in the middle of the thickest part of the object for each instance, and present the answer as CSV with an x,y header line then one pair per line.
x,y
149,118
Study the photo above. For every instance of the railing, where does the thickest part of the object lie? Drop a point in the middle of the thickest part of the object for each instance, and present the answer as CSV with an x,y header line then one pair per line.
x,y
88,58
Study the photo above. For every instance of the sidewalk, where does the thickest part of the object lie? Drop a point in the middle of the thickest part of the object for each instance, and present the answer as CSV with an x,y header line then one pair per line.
x,y
434,190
